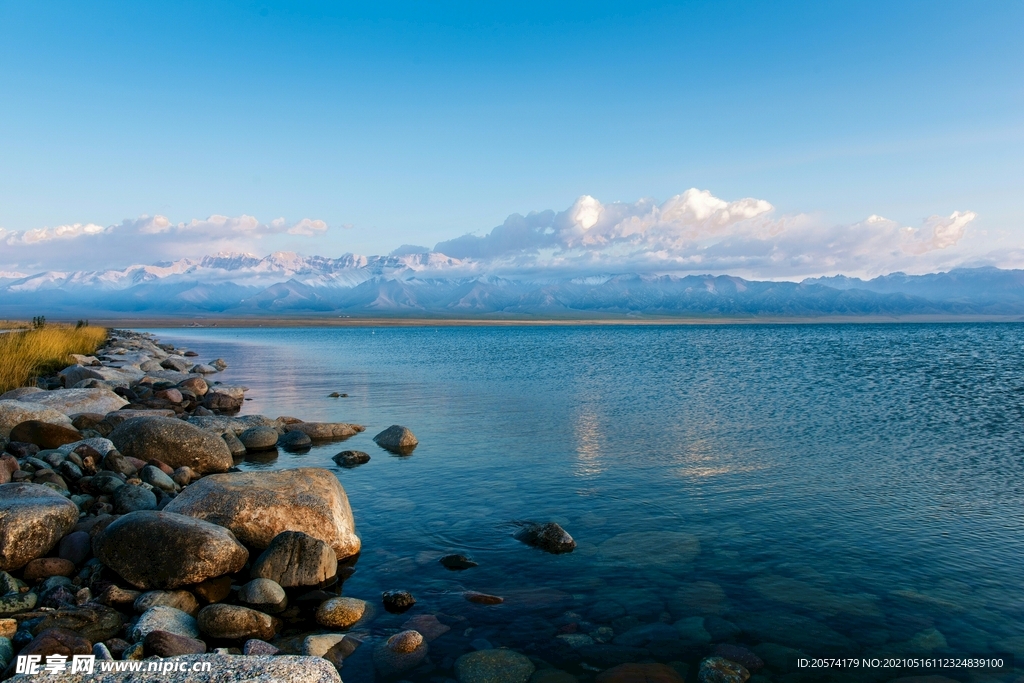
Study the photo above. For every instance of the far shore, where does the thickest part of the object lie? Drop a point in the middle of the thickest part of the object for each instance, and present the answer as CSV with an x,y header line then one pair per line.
x,y
168,322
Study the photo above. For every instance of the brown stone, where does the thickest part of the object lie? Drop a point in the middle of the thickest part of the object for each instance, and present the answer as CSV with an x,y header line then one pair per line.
x,y
161,465
166,644
213,590
44,434
296,559
172,441
122,599
482,598
45,567
32,519
232,622
94,622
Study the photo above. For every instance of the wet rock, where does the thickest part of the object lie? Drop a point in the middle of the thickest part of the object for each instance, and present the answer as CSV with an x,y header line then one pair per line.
x,y
263,595
493,666
222,402
294,558
639,673
294,442
549,537
320,644
721,670
57,641
106,482
165,644
398,601
177,363
397,439
457,562
232,622
259,438
178,550
13,413
234,445
220,364
44,434
351,458
14,603
575,640
482,598
427,625
692,632
173,441
157,478
162,618
340,612
75,401
132,499
179,600
257,506
45,567
94,622
741,655
400,652
324,431
183,476
203,369
32,519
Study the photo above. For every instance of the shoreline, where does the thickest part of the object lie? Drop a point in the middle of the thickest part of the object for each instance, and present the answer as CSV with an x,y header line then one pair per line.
x,y
313,321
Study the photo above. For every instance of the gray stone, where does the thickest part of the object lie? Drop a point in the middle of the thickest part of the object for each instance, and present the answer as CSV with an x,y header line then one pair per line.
x,y
549,537
132,499
16,394
32,519
180,600
397,439
232,622
324,431
13,413
224,668
295,559
351,458
178,550
319,644
172,441
255,646
494,666
75,401
257,506
259,438
155,477
264,595
235,425
236,447
294,442
162,618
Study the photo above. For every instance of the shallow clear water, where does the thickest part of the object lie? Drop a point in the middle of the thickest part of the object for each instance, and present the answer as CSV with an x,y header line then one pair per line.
x,y
841,489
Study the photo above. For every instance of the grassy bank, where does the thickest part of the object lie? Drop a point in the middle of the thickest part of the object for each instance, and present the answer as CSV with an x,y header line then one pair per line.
x,y
25,355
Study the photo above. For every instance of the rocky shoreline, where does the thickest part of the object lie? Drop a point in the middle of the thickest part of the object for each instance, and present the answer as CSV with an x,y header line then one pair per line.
x,y
128,533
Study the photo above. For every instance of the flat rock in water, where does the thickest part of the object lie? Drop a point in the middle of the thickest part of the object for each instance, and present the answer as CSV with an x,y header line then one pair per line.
x,y
75,401
650,548
397,439
324,431
257,506
493,666
549,537
32,519
351,458
482,598
235,425
224,668
14,412
427,625
152,549
294,558
295,442
172,441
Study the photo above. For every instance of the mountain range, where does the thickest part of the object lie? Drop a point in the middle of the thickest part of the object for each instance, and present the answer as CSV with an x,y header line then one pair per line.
x,y
435,285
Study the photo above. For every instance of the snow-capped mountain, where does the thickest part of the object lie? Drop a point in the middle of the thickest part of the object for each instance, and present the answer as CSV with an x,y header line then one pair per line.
x,y
432,284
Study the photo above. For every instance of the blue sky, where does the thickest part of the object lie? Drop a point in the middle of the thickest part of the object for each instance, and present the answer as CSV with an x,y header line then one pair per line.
x,y
419,122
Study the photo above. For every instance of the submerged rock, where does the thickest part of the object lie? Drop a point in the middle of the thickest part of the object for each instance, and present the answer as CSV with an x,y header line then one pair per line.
x,y
351,458
398,601
639,673
549,537
721,670
340,612
400,652
493,666
457,562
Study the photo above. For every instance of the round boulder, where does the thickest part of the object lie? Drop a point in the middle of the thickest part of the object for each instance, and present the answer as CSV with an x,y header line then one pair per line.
x,y
172,441
130,498
259,438
257,506
263,595
152,549
397,439
32,519
340,612
44,434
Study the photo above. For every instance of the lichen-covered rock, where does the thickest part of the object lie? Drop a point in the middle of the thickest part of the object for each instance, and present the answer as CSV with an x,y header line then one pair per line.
x,y
340,612
163,618
172,441
165,550
32,519
257,506
75,401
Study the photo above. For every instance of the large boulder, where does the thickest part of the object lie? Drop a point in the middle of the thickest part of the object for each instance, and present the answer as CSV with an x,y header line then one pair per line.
x,y
152,549
75,401
13,413
44,434
296,559
32,519
172,441
257,506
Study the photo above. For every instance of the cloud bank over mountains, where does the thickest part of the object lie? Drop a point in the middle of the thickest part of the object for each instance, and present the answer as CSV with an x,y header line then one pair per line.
x,y
692,232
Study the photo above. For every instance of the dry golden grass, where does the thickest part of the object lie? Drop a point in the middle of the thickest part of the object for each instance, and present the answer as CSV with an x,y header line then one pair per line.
x,y
26,355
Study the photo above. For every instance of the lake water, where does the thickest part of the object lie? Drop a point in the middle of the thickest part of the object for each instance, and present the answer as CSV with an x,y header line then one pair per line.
x,y
842,490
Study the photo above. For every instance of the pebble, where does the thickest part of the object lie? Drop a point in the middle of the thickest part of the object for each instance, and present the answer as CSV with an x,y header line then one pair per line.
x,y
45,567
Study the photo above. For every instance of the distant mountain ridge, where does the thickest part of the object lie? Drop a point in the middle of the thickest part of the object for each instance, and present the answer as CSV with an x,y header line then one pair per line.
x,y
432,284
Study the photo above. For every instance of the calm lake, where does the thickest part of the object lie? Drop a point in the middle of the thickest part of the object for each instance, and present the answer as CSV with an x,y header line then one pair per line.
x,y
841,490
